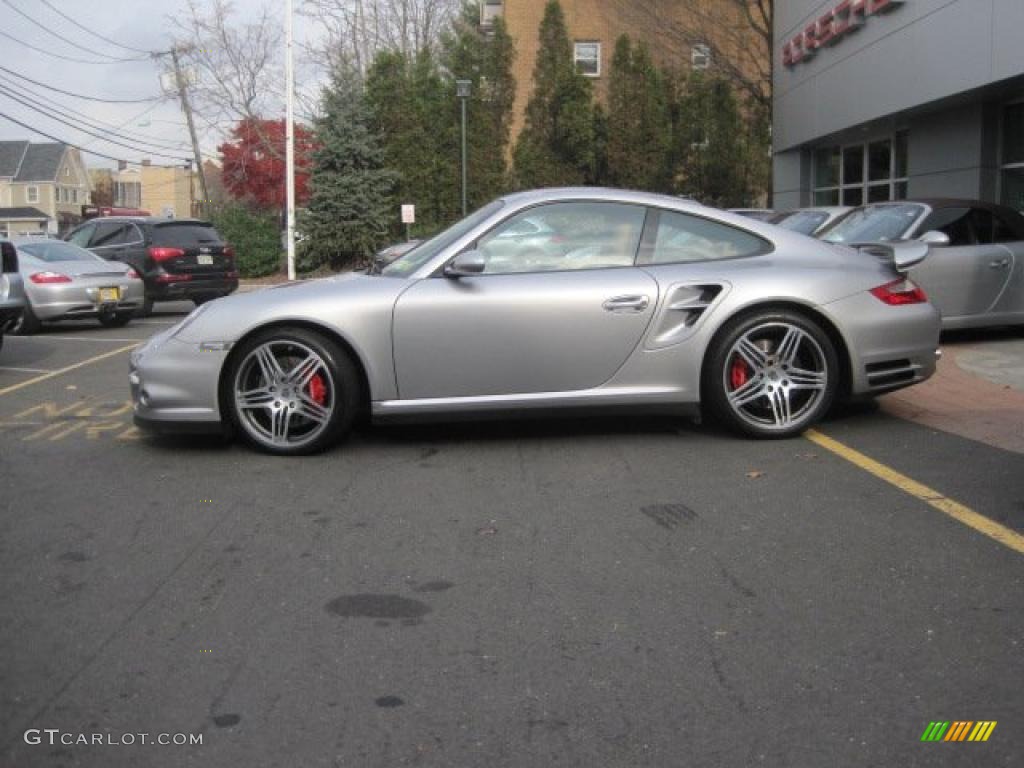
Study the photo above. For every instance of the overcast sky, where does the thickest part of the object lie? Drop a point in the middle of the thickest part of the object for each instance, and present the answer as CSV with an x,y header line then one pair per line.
x,y
137,23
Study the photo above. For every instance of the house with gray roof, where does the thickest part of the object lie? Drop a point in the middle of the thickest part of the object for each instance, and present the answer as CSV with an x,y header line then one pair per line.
x,y
50,178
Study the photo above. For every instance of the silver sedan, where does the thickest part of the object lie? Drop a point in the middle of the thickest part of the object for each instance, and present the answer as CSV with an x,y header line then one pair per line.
x,y
65,282
673,306
975,273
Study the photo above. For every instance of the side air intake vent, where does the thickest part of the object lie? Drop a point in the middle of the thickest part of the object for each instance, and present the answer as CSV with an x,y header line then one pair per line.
x,y
684,308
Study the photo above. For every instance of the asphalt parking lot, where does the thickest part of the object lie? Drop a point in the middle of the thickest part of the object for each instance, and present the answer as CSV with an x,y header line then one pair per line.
x,y
613,592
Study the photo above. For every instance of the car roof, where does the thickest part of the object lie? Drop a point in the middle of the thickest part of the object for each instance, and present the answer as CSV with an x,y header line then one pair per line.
x,y
609,194
149,220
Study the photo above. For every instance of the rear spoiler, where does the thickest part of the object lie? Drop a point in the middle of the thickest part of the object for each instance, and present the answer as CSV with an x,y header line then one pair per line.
x,y
903,254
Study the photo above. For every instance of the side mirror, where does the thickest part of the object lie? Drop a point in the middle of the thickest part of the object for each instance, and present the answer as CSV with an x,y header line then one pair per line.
x,y
934,237
466,263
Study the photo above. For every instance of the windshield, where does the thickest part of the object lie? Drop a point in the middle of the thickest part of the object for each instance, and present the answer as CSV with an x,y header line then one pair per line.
x,y
405,265
57,250
805,222
873,223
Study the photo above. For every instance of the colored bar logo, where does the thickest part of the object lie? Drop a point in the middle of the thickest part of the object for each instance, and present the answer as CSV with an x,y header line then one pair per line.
x,y
959,730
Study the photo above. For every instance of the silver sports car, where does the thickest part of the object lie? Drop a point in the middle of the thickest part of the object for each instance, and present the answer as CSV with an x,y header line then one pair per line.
x,y
673,306
65,282
975,273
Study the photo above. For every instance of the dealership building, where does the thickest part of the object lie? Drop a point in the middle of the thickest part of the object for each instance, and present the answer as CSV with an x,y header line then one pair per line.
x,y
889,99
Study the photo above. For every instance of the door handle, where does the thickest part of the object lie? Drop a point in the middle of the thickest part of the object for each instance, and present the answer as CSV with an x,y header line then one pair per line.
x,y
626,303
999,263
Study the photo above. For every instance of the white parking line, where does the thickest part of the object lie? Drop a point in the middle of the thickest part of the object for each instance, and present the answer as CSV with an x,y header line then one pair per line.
x,y
24,370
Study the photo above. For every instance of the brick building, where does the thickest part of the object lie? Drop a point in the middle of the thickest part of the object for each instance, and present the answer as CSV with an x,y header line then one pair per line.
x,y
679,33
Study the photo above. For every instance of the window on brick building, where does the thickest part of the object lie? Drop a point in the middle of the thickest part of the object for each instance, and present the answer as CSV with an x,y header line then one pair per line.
x,y
587,56
700,56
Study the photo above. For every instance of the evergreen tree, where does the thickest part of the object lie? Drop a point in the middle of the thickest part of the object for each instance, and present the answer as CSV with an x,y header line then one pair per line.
x,y
351,200
556,146
415,116
710,143
639,129
469,53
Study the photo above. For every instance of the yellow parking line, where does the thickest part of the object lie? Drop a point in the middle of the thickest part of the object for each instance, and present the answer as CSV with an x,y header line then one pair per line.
x,y
947,506
60,371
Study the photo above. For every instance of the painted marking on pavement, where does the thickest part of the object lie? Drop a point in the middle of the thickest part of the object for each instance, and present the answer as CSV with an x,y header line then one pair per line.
x,y
82,337
24,370
947,506
66,369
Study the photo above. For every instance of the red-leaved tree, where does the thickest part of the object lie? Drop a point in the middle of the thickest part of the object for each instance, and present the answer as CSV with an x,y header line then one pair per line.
x,y
254,162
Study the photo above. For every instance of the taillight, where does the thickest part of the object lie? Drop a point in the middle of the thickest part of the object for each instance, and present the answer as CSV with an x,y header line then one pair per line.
x,y
159,254
131,274
166,278
43,278
229,251
902,291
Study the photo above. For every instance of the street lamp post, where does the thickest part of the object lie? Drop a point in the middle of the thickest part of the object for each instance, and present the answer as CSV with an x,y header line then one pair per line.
x,y
462,91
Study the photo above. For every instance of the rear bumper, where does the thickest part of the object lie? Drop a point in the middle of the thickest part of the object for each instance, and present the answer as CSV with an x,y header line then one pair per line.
x,y
60,302
196,285
890,347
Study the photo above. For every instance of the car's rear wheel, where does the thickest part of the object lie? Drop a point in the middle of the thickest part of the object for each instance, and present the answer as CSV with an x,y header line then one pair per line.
x,y
771,374
115,319
28,323
292,391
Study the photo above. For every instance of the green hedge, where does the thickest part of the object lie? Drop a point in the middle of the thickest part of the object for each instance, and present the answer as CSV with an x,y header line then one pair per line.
x,y
255,237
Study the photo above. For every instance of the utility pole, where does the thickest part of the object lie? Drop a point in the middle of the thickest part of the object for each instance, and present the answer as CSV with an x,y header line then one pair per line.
x,y
462,91
179,78
289,128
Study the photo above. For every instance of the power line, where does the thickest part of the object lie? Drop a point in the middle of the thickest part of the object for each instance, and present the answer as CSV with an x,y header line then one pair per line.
x,y
51,53
73,122
72,43
72,114
74,146
142,150
94,34
78,95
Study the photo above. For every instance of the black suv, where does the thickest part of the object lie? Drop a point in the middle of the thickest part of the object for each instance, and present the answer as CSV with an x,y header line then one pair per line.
x,y
177,258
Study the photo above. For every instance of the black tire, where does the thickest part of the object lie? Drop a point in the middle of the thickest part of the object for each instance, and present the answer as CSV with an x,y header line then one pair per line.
x,y
756,401
203,298
28,324
343,392
116,319
146,308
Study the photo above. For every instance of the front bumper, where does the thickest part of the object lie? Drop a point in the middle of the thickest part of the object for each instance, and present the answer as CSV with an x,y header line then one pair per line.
x,y
174,385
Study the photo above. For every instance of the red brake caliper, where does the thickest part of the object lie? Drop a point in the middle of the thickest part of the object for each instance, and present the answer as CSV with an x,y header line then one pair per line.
x,y
738,373
318,389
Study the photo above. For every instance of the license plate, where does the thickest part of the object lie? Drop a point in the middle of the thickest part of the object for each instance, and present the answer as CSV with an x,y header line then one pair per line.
x,y
109,295
205,259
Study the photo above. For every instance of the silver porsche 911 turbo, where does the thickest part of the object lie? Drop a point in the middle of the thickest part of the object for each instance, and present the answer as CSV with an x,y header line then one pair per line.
x,y
651,301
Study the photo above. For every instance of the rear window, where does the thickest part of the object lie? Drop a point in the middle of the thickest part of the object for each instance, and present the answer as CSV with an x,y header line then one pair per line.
x,y
185,234
57,250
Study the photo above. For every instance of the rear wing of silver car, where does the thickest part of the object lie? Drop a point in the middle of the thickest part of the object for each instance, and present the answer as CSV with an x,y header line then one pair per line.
x,y
902,255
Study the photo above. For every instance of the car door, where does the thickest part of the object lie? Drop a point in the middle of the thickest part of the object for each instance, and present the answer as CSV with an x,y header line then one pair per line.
x,y
529,324
1009,235
967,276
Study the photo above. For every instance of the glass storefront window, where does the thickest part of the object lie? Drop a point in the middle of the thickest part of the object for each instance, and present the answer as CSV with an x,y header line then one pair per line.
x,y
853,164
853,195
878,193
826,167
900,164
879,159
826,197
1011,175
1013,188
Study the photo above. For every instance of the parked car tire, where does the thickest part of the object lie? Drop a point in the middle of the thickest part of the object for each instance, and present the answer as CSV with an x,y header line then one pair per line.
x,y
771,374
291,391
28,324
146,308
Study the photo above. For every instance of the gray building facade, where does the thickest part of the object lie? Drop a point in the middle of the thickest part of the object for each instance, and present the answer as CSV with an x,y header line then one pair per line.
x,y
885,99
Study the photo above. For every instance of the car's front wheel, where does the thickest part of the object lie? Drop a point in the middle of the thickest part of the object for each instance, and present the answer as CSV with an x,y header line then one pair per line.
x,y
292,391
771,374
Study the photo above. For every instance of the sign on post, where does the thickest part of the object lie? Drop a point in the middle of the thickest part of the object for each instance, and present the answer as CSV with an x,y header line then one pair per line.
x,y
408,214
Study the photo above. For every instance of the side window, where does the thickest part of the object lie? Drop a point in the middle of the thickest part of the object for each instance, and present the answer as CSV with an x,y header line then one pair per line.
x,y
81,236
984,224
108,233
682,237
954,222
562,236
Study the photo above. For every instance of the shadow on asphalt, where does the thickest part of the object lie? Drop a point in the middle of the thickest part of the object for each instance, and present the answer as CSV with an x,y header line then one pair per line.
x,y
981,335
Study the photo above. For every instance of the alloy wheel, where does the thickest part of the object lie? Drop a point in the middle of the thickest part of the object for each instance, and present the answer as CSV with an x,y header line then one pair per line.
x,y
775,374
284,394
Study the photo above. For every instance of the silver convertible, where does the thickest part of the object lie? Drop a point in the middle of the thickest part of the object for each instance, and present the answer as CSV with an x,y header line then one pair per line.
x,y
656,303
